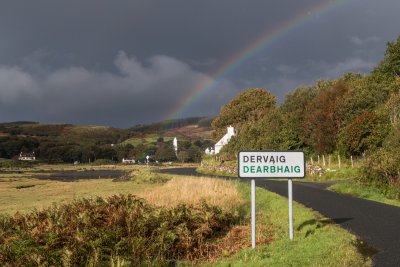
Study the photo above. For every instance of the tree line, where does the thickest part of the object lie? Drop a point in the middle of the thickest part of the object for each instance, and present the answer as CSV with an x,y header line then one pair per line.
x,y
355,115
107,148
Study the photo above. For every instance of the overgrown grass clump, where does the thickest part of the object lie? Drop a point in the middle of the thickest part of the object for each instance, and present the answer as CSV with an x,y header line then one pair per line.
x,y
120,230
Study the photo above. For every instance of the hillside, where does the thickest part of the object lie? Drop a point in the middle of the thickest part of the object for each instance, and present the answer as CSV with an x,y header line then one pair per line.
x,y
166,125
88,143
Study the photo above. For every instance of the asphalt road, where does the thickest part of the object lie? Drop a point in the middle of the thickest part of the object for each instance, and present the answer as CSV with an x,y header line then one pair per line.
x,y
376,224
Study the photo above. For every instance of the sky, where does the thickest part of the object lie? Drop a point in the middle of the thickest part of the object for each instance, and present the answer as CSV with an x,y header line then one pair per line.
x,y
128,62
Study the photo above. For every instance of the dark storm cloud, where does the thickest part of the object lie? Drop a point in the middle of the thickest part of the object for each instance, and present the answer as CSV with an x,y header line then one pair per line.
x,y
137,92
190,30
59,60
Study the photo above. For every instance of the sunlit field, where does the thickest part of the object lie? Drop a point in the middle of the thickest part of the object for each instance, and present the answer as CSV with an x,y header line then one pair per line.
x,y
23,191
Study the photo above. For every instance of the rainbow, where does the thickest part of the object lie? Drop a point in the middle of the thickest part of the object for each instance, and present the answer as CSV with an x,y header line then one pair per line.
x,y
264,40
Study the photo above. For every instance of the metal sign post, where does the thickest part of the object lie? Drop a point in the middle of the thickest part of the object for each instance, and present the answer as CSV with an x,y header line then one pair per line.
x,y
253,213
271,164
290,199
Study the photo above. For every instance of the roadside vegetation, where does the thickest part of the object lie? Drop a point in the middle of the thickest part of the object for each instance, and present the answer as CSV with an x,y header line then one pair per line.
x,y
317,241
364,191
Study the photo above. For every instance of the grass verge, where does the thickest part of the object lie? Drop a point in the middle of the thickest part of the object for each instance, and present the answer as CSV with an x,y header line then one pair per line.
x,y
207,171
344,173
317,240
363,191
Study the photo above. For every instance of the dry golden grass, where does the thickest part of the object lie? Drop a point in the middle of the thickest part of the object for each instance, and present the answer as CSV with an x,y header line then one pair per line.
x,y
191,190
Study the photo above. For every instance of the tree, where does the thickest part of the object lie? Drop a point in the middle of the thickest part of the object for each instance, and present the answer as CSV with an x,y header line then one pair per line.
x,y
364,94
365,132
389,68
322,119
293,112
382,167
165,152
393,108
248,107
264,134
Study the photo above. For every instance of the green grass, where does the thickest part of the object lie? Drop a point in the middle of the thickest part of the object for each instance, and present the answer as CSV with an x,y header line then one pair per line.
x,y
21,192
207,171
148,139
344,173
362,191
317,240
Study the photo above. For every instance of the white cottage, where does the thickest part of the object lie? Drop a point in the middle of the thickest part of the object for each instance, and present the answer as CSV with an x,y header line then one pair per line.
x,y
175,144
27,156
222,142
128,161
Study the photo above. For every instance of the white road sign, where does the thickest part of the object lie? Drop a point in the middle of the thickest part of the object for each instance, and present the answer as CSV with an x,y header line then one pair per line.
x,y
271,164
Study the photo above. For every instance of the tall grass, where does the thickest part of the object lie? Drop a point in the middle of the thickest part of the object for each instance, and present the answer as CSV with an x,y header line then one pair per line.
x,y
193,191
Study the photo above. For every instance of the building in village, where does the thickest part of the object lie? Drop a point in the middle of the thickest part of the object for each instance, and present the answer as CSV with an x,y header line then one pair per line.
x,y
128,161
175,144
27,156
222,142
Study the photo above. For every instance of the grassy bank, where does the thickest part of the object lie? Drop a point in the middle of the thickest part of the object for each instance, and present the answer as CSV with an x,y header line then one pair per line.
x,y
317,240
363,191
337,174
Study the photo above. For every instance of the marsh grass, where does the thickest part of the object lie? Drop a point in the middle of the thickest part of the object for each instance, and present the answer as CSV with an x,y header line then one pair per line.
x,y
19,191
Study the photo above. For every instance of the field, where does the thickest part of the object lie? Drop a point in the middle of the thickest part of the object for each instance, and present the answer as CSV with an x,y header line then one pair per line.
x,y
190,132
145,140
19,191
214,212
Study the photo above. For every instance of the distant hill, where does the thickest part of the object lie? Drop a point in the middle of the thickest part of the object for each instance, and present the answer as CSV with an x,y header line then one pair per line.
x,y
189,128
163,126
65,132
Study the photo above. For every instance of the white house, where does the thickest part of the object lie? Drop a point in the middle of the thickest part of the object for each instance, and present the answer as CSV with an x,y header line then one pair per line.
x,y
27,156
128,161
210,151
222,142
175,144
